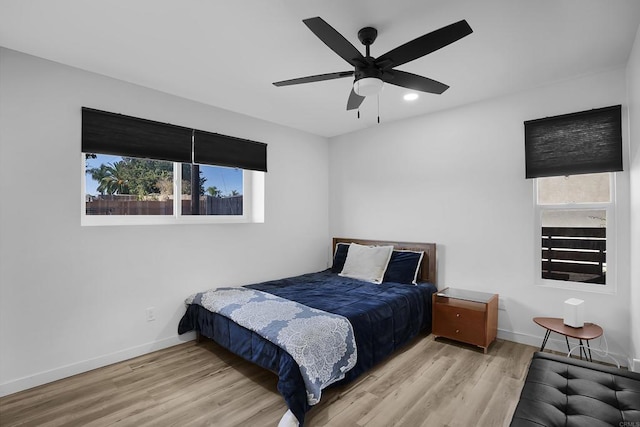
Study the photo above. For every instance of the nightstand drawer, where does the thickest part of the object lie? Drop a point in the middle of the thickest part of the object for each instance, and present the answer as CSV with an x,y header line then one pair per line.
x,y
465,334
458,315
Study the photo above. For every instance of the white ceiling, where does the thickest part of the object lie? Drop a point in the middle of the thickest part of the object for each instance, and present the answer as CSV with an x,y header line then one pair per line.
x,y
227,53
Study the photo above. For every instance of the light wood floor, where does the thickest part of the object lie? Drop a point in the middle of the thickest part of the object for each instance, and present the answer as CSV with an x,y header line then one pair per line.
x,y
428,383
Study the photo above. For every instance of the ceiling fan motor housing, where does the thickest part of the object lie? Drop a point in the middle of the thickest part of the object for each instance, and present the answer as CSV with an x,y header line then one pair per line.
x,y
370,70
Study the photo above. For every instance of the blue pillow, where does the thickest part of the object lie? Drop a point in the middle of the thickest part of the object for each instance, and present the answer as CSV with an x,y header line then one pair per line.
x,y
403,267
339,257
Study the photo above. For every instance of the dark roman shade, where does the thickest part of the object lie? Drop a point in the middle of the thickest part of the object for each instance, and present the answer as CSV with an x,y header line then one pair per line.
x,y
577,143
215,149
117,134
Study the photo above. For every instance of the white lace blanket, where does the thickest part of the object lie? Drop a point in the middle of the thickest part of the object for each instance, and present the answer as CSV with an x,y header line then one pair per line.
x,y
321,343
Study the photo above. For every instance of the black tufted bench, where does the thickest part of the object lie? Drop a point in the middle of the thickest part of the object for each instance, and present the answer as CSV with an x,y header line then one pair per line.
x,y
567,392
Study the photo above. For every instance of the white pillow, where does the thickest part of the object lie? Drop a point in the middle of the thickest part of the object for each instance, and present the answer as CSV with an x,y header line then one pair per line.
x,y
367,262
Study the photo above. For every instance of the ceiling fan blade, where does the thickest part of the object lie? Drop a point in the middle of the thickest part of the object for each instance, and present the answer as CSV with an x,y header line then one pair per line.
x,y
316,78
335,41
354,100
414,81
424,45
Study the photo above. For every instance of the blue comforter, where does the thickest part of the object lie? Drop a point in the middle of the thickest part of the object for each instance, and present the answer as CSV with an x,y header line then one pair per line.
x,y
384,317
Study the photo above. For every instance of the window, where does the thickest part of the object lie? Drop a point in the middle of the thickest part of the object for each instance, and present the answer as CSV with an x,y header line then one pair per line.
x,y
137,171
116,185
572,158
575,219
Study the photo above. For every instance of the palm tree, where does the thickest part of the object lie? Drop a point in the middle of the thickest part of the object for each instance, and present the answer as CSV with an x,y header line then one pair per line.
x,y
114,182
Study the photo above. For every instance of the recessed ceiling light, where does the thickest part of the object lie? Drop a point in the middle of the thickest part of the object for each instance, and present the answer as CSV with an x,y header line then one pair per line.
x,y
411,97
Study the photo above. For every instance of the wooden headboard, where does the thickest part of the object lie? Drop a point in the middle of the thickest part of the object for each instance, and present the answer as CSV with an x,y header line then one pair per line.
x,y
428,266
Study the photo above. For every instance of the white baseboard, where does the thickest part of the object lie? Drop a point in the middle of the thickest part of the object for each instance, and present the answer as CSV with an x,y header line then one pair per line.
x,y
634,365
55,374
559,344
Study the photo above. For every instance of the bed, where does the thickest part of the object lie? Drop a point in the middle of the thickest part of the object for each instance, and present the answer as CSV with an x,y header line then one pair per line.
x,y
382,316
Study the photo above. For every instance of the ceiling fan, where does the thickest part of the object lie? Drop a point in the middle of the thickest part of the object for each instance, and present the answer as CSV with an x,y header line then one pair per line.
x,y
371,73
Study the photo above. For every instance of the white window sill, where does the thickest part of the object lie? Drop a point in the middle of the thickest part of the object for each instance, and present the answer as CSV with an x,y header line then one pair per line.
x,y
577,286
119,220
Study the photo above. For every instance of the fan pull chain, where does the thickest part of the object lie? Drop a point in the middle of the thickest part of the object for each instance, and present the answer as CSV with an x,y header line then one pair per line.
x,y
378,108
358,113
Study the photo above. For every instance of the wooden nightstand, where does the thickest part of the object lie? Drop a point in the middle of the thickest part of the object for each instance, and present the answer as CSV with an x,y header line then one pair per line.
x,y
467,316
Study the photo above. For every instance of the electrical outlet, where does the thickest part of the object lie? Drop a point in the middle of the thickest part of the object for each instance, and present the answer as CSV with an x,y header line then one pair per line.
x,y
151,314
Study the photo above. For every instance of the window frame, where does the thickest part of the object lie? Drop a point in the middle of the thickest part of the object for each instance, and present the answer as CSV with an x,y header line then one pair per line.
x,y
252,211
610,285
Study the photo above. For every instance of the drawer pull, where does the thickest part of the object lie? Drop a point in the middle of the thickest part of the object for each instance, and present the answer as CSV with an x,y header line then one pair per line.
x,y
458,315
457,330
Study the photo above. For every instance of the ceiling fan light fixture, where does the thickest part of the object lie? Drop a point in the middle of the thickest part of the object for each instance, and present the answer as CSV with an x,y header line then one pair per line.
x,y
368,86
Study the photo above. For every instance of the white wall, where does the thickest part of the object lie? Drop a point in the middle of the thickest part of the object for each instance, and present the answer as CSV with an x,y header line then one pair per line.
x,y
633,81
457,178
73,298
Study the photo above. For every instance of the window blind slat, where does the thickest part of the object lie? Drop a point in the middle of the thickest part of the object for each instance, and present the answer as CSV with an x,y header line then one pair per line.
x,y
121,135
577,143
215,149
